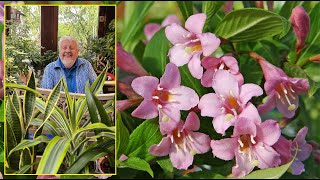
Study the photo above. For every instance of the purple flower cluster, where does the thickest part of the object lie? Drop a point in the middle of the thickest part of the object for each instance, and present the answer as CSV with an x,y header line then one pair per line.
x,y
253,143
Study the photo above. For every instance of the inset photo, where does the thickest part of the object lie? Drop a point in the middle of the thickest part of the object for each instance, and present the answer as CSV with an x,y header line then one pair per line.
x,y
59,89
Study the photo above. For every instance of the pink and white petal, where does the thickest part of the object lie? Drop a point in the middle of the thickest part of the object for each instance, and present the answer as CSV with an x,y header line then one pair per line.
x,y
270,71
272,85
180,159
251,112
283,148
184,98
268,105
283,105
268,132
244,126
167,126
220,124
145,86
299,85
161,149
210,105
231,63
179,56
195,67
170,111
192,122
243,165
267,156
300,138
146,110
209,43
124,104
225,84
200,142
207,77
171,77
195,23
296,168
247,91
304,152
170,19
176,34
224,148
150,29
239,78
209,62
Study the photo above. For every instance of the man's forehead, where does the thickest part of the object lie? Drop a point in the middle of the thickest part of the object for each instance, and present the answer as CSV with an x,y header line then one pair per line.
x,y
67,42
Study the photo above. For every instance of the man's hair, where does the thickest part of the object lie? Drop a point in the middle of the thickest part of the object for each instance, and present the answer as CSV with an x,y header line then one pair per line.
x,y
70,39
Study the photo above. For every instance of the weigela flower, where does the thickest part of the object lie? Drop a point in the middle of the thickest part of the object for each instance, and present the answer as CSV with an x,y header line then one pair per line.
x,y
287,150
151,28
165,99
229,101
251,145
189,45
300,22
282,91
182,143
212,64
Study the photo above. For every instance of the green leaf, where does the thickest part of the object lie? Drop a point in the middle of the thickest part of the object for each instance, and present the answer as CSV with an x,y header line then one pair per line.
x,y
251,24
250,70
53,155
287,8
29,143
186,8
210,8
11,85
155,56
30,100
313,39
144,136
2,112
166,165
314,86
104,117
313,72
122,135
95,126
135,20
205,174
292,70
14,121
137,163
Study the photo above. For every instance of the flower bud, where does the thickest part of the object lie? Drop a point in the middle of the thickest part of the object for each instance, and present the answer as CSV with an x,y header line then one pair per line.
x,y
315,58
301,25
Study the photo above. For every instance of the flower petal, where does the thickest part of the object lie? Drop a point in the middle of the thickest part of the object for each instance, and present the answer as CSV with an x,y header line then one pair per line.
x,y
270,71
296,168
171,77
268,105
268,132
247,91
179,56
251,112
195,23
244,126
124,104
195,67
209,62
283,105
172,112
300,85
267,156
224,148
283,148
225,84
161,149
176,34
200,143
210,105
184,98
220,124
150,29
146,110
145,85
180,159
192,122
239,78
167,124
209,43
231,63
243,165
170,19
207,77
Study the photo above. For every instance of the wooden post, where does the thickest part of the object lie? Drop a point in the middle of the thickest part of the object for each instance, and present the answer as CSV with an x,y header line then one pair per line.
x,y
49,28
106,15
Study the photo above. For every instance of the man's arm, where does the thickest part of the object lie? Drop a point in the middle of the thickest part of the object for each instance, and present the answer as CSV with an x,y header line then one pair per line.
x,y
47,79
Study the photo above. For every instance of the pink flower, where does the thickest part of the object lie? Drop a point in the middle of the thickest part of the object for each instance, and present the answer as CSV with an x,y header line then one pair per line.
x,y
127,62
287,149
212,64
251,145
300,22
182,143
165,99
229,102
282,91
189,45
151,28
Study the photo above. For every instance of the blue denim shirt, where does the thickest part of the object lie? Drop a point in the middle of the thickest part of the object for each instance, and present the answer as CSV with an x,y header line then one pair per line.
x,y
83,72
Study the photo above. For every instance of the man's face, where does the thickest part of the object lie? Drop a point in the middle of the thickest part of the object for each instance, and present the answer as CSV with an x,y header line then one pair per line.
x,y
68,53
